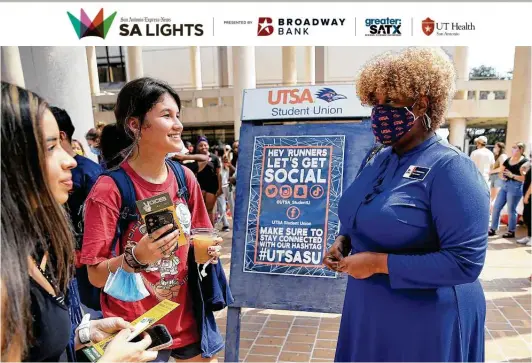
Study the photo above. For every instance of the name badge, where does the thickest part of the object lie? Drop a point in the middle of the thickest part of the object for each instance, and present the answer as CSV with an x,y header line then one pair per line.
x,y
416,172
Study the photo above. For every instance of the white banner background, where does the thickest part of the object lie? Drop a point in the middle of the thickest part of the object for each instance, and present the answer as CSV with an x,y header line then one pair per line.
x,y
48,23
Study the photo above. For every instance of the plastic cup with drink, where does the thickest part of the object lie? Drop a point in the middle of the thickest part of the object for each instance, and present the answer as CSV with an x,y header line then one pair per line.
x,y
203,239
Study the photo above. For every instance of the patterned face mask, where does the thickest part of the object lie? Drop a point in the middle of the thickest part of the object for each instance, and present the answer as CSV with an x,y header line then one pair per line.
x,y
389,124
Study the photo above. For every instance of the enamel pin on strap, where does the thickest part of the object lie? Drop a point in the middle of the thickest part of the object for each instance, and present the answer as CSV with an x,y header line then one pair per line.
x,y
416,172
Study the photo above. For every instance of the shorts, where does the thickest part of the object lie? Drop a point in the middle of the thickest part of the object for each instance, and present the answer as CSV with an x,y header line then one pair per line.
x,y
495,181
186,352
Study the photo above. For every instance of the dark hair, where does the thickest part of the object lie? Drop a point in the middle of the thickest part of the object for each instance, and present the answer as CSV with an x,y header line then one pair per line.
x,y
63,121
31,217
502,147
112,144
136,99
92,135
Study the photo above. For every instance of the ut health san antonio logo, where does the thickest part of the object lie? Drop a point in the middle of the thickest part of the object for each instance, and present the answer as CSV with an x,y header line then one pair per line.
x,y
428,26
265,27
98,27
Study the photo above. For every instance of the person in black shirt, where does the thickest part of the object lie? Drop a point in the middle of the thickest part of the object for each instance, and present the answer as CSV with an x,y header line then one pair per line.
x,y
209,176
84,175
511,191
37,243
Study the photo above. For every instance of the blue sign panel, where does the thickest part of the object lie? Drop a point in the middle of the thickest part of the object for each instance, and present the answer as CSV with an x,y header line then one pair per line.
x,y
292,220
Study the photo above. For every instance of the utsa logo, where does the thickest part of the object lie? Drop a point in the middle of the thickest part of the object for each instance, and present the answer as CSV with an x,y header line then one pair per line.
x,y
329,95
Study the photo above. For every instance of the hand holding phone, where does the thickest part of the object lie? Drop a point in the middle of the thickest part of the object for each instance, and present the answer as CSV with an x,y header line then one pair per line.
x,y
156,220
160,337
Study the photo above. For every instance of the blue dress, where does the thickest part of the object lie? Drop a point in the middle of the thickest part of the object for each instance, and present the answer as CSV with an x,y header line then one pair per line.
x,y
430,213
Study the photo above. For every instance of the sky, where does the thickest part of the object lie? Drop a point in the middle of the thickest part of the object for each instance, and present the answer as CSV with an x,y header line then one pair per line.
x,y
499,57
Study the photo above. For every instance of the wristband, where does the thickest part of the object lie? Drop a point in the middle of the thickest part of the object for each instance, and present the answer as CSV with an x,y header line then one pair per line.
x,y
131,260
84,330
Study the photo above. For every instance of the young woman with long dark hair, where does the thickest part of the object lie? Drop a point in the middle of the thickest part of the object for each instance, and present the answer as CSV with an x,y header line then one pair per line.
x,y
148,129
37,243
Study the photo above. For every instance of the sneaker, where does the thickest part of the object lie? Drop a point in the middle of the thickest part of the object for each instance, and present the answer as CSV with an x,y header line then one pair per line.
x,y
524,240
225,229
509,234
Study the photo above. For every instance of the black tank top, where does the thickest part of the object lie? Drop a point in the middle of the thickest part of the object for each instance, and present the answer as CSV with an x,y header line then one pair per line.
x,y
51,324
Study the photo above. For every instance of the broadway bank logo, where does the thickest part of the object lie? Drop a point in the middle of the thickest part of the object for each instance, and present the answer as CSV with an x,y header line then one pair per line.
x,y
265,27
98,27
295,26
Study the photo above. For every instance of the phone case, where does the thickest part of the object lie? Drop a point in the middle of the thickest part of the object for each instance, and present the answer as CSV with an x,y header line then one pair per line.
x,y
166,334
156,220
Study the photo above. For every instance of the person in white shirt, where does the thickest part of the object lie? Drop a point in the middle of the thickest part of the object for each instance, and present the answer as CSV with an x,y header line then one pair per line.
x,y
483,157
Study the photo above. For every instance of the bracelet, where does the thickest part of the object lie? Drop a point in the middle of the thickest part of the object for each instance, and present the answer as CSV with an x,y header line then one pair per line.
x,y
131,260
135,257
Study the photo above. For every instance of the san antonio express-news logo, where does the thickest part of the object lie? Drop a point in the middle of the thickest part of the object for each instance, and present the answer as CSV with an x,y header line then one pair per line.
x,y
98,27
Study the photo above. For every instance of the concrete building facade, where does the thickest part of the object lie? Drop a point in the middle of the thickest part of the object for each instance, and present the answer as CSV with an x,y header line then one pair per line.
x,y
210,79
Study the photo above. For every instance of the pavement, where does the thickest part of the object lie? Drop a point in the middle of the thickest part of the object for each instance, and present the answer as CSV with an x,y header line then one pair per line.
x,y
295,336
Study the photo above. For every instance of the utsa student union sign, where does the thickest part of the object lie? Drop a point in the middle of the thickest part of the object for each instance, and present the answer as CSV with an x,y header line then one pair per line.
x,y
313,102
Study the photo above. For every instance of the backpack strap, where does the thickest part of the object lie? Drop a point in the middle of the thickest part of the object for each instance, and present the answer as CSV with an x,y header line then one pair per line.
x,y
181,180
128,209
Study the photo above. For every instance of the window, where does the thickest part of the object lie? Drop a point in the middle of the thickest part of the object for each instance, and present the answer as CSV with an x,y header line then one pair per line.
x,y
105,107
111,64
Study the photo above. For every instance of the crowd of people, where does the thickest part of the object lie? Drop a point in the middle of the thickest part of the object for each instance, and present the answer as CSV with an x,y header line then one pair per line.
x,y
67,271
82,265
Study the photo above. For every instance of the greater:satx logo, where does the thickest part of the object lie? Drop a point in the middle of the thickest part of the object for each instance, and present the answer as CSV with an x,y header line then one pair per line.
x,y
98,27
383,27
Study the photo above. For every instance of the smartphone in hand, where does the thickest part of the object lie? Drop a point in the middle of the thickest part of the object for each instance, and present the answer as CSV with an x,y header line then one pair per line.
x,y
160,337
156,220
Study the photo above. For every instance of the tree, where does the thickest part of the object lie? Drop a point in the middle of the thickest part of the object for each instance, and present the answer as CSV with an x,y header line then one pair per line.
x,y
483,72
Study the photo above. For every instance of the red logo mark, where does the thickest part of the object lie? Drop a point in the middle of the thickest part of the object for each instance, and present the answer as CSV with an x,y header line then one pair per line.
x,y
265,27
428,26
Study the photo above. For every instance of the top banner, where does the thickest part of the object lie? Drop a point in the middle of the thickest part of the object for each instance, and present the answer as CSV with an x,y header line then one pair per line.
x,y
263,24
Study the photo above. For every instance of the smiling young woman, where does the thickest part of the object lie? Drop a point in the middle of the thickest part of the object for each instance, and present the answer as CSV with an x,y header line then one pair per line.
x,y
147,130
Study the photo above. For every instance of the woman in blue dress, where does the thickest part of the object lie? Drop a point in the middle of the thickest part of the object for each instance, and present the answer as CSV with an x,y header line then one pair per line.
x,y
413,224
